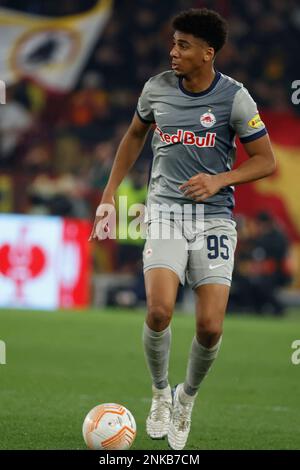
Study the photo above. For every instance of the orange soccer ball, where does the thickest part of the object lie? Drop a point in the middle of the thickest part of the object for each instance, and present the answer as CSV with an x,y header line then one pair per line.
x,y
109,427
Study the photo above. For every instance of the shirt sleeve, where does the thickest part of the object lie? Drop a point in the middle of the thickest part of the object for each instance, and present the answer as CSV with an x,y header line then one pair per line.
x,y
245,119
144,110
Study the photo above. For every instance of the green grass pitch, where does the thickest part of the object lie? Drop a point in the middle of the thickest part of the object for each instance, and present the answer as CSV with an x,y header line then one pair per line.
x,y
61,364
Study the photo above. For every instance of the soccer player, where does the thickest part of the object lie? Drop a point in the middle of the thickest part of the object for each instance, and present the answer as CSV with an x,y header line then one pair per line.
x,y
197,112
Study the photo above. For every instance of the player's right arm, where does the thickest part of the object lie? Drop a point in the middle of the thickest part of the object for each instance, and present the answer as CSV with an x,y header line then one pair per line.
x,y
127,153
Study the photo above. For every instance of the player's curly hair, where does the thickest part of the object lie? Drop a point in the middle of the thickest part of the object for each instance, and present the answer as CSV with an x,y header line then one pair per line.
x,y
204,24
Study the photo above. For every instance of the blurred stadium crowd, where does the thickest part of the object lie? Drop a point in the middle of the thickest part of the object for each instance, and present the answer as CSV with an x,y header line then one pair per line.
x,y
56,151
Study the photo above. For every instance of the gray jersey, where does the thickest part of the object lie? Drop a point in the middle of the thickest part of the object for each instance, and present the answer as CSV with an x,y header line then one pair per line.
x,y
195,133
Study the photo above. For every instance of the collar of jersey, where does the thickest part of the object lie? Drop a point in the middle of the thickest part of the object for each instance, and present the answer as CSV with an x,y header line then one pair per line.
x,y
201,93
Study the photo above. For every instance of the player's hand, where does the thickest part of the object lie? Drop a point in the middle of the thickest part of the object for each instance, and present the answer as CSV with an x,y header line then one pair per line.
x,y
201,186
104,212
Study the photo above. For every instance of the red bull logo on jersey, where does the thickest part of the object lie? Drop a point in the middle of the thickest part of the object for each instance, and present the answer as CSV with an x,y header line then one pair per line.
x,y
187,138
208,119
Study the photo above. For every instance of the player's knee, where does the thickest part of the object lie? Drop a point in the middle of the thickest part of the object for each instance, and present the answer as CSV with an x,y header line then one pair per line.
x,y
209,331
159,316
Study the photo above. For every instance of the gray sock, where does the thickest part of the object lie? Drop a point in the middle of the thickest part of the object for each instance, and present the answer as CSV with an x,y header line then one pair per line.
x,y
200,361
157,349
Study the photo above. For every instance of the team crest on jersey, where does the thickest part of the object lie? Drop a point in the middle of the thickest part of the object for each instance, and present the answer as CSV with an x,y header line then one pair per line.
x,y
208,119
255,122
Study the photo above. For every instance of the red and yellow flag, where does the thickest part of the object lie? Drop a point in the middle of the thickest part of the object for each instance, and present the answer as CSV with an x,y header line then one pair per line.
x,y
278,194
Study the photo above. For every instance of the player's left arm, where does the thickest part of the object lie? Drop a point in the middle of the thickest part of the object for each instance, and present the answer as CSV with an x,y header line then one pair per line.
x,y
247,124
261,163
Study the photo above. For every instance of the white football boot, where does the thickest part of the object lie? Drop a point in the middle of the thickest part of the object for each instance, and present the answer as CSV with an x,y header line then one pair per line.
x,y
158,421
181,418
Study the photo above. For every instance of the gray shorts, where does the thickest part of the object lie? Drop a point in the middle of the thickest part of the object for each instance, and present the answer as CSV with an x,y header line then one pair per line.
x,y
200,251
